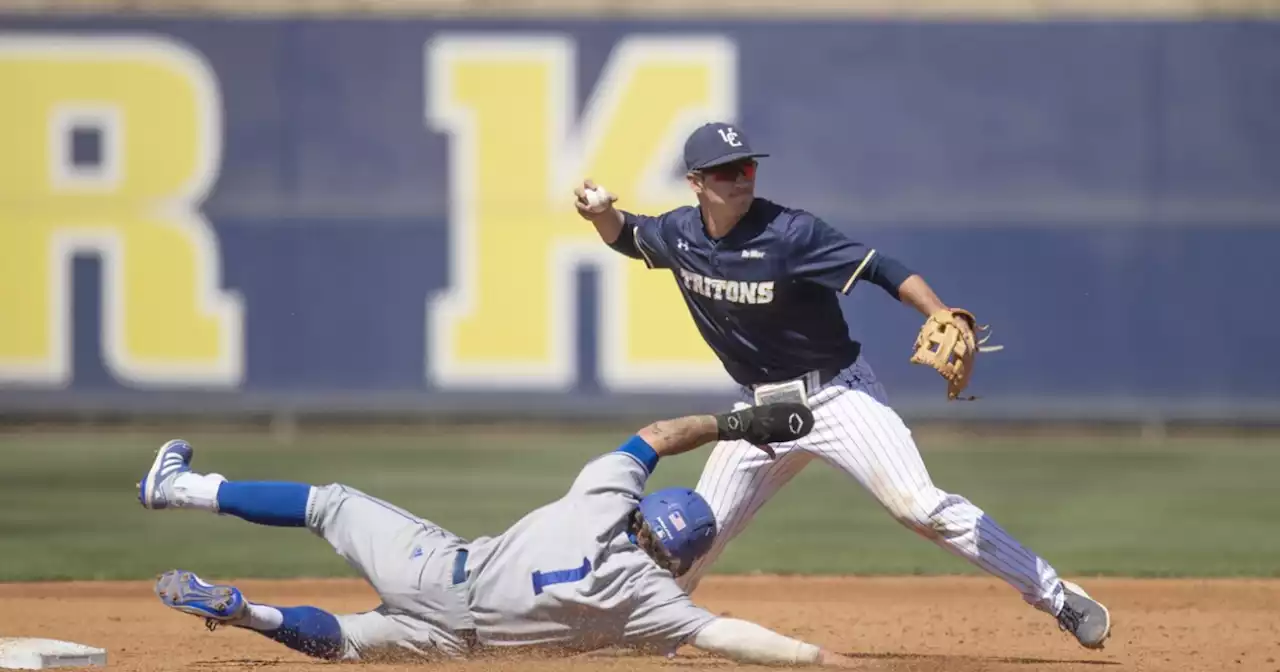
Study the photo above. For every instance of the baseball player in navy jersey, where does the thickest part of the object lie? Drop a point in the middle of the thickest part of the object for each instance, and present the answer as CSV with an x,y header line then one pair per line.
x,y
593,569
762,281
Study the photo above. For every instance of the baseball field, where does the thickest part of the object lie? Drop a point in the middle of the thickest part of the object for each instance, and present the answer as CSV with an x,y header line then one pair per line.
x,y
1178,536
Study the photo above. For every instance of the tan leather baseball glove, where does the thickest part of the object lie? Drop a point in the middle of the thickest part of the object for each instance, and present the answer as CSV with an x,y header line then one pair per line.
x,y
947,342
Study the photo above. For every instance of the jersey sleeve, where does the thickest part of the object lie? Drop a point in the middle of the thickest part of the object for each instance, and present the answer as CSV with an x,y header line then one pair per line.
x,y
647,234
621,473
827,257
664,616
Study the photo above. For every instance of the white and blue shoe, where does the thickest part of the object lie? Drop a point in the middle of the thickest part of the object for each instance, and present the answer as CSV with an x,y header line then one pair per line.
x,y
1084,617
188,593
155,491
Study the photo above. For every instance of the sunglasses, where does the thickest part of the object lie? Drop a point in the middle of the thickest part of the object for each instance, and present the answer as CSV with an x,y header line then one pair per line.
x,y
729,172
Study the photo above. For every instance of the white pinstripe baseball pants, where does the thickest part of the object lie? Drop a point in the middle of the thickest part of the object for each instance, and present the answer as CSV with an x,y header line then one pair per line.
x,y
857,432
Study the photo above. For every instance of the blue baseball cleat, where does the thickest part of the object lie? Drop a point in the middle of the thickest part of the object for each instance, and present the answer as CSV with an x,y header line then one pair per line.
x,y
156,489
189,594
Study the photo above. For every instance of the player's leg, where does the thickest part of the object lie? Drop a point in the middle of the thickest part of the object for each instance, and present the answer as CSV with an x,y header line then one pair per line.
x,y
737,480
315,632
309,630
402,556
387,636
367,532
856,431
171,484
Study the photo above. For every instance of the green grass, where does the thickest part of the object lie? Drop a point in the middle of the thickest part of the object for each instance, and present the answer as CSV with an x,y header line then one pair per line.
x,y
1186,507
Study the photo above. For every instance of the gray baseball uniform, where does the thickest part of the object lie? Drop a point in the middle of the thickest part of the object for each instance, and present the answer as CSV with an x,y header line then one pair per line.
x,y
566,576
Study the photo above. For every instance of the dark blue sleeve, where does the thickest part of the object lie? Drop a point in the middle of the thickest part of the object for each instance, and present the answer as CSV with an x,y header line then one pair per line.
x,y
626,242
646,239
823,255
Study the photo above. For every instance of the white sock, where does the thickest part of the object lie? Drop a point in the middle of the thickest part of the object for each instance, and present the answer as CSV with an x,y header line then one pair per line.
x,y
1056,603
261,617
197,491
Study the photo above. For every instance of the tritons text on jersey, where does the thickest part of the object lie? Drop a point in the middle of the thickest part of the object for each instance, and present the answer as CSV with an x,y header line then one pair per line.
x,y
736,291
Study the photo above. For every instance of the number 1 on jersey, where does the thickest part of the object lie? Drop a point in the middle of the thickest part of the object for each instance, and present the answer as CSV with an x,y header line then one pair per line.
x,y
543,579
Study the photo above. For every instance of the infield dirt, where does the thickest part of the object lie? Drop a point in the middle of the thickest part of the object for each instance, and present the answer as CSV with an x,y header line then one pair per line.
x,y
919,624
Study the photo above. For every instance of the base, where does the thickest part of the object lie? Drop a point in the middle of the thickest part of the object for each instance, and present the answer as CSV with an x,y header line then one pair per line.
x,y
32,653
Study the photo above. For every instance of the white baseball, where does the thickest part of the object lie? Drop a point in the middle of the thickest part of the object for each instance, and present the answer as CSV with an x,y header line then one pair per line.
x,y
597,199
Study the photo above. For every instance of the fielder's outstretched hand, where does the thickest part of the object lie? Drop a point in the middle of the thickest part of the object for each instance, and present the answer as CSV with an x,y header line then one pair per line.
x,y
592,200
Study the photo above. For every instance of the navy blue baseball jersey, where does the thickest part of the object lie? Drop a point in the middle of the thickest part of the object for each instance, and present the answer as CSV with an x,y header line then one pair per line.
x,y
765,296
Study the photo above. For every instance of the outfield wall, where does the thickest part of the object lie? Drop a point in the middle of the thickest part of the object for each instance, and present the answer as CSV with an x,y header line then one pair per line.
x,y
341,214
769,9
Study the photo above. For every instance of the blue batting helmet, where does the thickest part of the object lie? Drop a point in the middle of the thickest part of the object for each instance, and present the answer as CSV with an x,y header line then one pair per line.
x,y
683,522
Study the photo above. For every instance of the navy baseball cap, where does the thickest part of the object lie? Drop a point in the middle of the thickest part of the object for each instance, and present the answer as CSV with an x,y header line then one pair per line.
x,y
716,144
682,520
